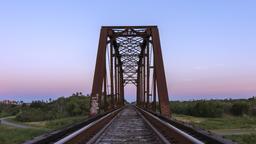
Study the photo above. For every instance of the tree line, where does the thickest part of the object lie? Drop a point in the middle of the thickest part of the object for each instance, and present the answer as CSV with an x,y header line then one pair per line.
x,y
75,105
215,108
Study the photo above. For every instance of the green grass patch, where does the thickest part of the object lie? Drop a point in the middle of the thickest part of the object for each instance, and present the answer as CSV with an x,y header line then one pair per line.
x,y
56,124
3,114
10,135
243,139
225,122
51,124
60,123
240,129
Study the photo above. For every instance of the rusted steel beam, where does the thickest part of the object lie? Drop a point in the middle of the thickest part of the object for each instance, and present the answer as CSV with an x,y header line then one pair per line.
x,y
115,73
154,91
160,74
122,88
99,71
111,75
125,27
138,88
144,79
148,75
105,90
118,84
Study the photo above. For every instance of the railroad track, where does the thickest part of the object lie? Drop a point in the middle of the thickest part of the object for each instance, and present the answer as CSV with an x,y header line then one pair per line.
x,y
134,125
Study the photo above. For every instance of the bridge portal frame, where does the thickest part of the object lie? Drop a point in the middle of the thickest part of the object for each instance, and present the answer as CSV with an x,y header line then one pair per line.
x,y
149,78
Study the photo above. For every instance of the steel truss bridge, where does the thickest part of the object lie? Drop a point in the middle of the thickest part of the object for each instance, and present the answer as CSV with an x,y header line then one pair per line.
x,y
130,55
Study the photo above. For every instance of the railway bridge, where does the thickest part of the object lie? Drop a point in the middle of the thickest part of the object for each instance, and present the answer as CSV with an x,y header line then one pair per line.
x,y
130,55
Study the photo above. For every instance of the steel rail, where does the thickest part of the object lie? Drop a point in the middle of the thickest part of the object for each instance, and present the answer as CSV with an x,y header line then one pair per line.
x,y
83,133
96,136
164,131
95,139
198,133
173,134
53,136
161,137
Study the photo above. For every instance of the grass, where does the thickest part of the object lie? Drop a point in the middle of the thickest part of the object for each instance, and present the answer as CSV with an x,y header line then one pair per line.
x,y
243,139
56,124
51,124
240,129
225,122
10,135
2,114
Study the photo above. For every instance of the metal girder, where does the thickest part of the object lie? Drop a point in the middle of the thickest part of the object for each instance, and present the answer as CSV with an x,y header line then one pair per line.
x,y
135,57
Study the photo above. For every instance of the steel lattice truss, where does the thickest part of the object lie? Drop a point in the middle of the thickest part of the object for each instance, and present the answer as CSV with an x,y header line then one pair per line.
x,y
129,45
129,50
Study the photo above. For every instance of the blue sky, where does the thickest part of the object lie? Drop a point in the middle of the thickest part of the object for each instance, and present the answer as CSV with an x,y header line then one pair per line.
x,y
48,47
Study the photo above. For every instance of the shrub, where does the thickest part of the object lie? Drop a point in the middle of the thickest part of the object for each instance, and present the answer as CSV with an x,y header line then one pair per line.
x,y
207,109
32,114
253,110
8,110
198,108
239,108
60,108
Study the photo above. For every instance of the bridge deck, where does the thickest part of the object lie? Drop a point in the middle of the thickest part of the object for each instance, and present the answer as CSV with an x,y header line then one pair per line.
x,y
128,127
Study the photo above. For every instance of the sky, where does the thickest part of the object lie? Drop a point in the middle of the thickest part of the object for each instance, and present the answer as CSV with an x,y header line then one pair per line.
x,y
48,47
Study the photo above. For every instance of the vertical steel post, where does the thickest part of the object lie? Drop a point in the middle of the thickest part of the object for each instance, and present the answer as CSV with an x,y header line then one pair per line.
x,y
122,88
144,80
141,84
111,76
99,72
118,84
105,90
115,65
138,85
148,73
154,89
160,75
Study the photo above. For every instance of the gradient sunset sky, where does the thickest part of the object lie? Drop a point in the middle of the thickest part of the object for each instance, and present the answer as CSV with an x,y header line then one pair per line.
x,y
48,47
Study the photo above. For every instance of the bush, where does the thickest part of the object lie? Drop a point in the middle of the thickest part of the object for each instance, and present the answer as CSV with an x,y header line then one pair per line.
x,y
207,109
240,108
198,108
33,115
215,108
37,104
253,110
60,108
8,110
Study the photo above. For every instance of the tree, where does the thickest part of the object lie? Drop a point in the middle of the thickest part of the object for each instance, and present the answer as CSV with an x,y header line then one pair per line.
x,y
207,109
240,108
